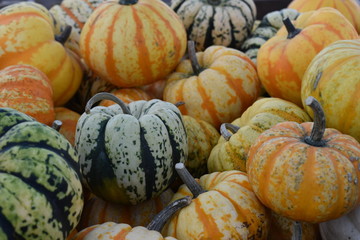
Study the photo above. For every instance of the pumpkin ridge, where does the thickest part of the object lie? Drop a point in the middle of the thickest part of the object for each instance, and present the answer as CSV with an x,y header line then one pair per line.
x,y
73,16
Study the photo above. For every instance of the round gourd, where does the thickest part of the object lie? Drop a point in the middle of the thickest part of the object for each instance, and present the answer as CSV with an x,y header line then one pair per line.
x,y
231,150
133,42
69,120
306,172
284,58
333,78
27,37
216,22
28,90
40,189
216,85
127,153
127,95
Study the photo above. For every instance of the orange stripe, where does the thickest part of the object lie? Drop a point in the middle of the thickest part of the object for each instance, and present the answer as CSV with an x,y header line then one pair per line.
x,y
73,17
89,4
81,235
122,234
6,19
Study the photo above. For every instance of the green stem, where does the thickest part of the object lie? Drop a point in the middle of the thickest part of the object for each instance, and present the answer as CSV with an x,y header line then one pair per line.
x,y
64,36
189,180
318,130
106,96
128,2
292,31
224,130
193,59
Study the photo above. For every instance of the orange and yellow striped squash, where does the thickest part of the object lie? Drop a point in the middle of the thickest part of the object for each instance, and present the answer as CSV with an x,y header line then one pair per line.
x,y
28,90
27,37
225,87
284,58
306,172
349,8
333,78
127,95
133,42
69,119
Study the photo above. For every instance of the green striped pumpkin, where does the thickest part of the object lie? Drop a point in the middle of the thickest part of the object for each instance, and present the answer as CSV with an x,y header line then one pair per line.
x,y
127,153
216,22
40,189
266,29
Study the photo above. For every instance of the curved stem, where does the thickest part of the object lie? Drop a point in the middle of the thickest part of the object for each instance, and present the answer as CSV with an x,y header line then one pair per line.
x,y
224,130
158,222
64,36
292,31
178,104
318,129
297,231
192,56
128,2
108,96
56,125
189,180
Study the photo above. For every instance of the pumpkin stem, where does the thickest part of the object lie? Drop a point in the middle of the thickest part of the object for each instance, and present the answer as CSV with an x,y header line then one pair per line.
x,y
318,129
224,130
189,180
178,104
158,222
297,231
128,2
108,96
64,36
192,56
214,2
292,31
56,125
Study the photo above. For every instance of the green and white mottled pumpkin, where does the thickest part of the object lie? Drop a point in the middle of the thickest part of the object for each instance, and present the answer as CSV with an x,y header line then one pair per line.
x,y
127,154
216,22
40,190
266,29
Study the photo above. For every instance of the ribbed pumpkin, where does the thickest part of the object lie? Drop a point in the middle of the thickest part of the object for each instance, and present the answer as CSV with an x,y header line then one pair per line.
x,y
216,22
223,207
333,78
40,189
133,42
267,28
284,58
27,37
127,95
69,121
98,211
28,90
306,172
127,153
231,150
216,85
349,8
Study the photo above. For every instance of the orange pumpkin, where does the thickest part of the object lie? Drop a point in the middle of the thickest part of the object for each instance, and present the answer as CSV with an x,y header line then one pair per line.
x,y
69,120
284,58
349,8
28,90
306,172
133,42
127,95
27,37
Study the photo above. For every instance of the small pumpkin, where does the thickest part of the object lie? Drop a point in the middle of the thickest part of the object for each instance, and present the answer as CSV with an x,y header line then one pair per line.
x,y
284,58
40,188
127,153
319,165
69,121
28,90
127,95
152,47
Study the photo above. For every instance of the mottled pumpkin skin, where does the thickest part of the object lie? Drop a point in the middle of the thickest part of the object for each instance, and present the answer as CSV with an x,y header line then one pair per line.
x,y
262,115
333,78
133,45
304,182
225,88
349,8
282,62
28,90
27,37
228,209
69,120
127,95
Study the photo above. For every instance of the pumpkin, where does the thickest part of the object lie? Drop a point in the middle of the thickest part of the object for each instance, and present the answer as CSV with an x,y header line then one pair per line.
x,y
333,78
127,95
349,8
97,211
231,150
284,58
306,172
265,30
345,227
155,89
27,37
122,231
28,90
40,189
223,207
216,22
127,153
153,45
216,85
69,120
